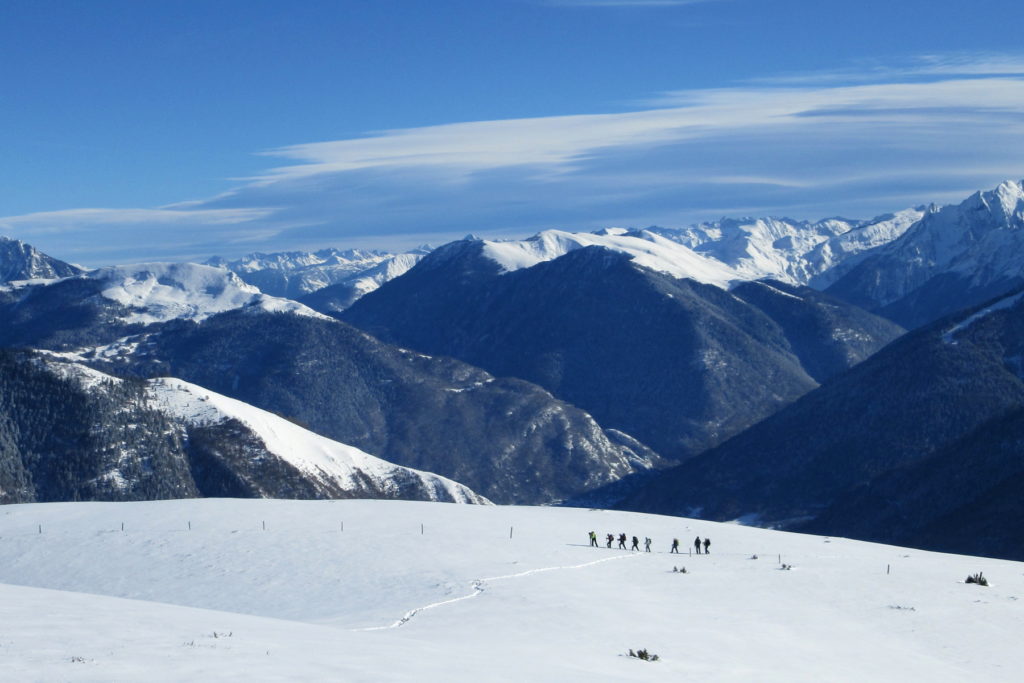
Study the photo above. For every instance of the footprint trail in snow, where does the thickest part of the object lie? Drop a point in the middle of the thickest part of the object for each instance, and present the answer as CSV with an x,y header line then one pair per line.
x,y
479,585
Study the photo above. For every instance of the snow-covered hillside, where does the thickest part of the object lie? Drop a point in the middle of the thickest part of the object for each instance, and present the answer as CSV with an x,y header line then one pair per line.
x,y
158,292
268,452
294,274
334,465
647,249
392,591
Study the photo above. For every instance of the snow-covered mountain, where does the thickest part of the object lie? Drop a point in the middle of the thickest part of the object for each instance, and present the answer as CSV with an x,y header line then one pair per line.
x,y
725,252
296,274
354,590
108,304
954,257
674,362
20,261
158,292
795,252
645,248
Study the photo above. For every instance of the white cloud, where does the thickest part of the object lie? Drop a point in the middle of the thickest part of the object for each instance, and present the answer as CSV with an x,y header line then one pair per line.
x,y
919,67
946,126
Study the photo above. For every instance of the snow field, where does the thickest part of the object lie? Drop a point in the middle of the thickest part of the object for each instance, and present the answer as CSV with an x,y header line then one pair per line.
x,y
541,605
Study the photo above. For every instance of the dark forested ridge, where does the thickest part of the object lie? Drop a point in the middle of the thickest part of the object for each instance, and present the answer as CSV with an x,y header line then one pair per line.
x,y
60,442
877,442
87,436
67,314
505,438
678,364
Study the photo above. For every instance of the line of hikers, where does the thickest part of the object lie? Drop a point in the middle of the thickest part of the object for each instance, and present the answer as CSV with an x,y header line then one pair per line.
x,y
611,538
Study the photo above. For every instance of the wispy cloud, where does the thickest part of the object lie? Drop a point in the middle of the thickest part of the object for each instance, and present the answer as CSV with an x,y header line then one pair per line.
x,y
938,129
927,67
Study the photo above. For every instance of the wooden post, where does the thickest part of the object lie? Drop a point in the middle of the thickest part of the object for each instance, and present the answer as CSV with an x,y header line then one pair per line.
x,y
510,532
421,528
264,525
122,526
40,528
190,525
886,569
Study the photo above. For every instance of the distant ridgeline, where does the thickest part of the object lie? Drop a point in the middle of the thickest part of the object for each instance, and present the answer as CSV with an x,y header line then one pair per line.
x,y
755,369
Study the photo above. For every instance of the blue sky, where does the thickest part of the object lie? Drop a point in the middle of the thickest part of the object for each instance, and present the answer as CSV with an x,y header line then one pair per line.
x,y
177,130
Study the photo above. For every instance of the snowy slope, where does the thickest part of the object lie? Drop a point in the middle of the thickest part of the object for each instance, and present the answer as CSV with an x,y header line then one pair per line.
x,y
332,469
334,464
158,292
295,274
386,591
649,250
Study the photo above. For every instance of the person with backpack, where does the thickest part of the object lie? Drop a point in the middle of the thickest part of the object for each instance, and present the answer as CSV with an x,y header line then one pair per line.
x,y
647,544
610,538
622,541
696,544
675,546
707,545
636,544
593,539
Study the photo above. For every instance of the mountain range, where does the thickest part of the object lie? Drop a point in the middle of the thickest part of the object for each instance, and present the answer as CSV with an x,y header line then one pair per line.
x,y
677,363
749,368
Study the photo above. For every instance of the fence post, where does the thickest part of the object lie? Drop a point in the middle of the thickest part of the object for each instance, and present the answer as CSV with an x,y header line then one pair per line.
x,y
510,532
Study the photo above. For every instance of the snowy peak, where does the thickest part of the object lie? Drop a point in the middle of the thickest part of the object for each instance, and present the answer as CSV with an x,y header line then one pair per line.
x,y
971,234
21,261
954,257
645,248
158,292
1003,205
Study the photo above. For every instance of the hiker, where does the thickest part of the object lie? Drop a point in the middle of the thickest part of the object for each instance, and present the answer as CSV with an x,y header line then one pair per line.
x,y
622,541
610,538
675,546
647,544
696,544
593,539
707,545
636,544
